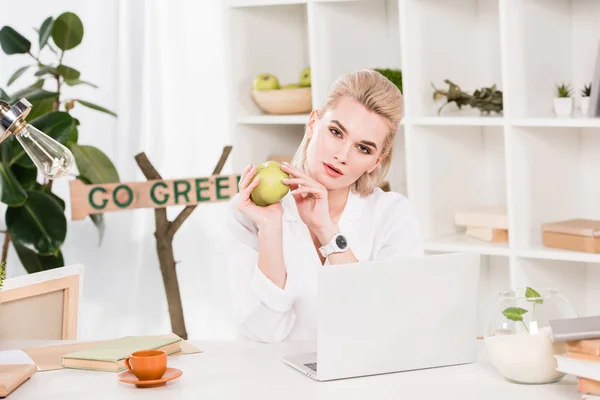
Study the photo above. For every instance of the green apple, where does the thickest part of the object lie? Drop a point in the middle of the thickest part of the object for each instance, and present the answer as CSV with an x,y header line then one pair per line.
x,y
305,77
270,189
291,86
266,82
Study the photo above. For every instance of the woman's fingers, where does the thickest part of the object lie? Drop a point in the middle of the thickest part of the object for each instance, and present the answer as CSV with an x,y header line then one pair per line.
x,y
285,167
248,190
305,190
247,175
301,182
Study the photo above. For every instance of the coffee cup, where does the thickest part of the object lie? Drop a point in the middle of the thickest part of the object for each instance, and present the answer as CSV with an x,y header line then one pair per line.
x,y
147,365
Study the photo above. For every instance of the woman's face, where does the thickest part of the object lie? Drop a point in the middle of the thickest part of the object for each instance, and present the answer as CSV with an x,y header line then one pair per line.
x,y
345,142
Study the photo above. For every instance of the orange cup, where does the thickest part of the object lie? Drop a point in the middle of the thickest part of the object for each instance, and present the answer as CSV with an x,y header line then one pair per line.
x,y
147,365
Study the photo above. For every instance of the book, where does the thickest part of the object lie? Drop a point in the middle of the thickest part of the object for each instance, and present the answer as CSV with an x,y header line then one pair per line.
x,y
483,216
567,241
579,368
110,356
587,346
579,328
582,356
576,226
13,376
588,386
490,235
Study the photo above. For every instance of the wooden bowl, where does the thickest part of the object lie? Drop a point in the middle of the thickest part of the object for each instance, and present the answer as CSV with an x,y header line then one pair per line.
x,y
284,101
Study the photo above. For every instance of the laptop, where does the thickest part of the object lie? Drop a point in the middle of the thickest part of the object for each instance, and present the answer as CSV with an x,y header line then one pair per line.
x,y
383,317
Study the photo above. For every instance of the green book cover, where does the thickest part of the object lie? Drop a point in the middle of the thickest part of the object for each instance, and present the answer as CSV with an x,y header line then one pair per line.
x,y
119,349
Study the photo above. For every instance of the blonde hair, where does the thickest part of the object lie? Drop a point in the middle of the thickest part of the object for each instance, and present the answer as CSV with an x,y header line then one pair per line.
x,y
378,95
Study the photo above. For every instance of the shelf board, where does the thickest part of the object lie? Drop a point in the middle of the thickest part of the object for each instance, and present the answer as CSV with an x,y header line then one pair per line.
x,y
298,119
259,3
539,251
456,121
567,122
463,243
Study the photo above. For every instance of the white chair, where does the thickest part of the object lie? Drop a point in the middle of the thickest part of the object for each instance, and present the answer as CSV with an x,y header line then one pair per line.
x,y
43,305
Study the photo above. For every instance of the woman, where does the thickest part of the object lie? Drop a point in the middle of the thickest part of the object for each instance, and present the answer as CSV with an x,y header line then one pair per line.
x,y
334,213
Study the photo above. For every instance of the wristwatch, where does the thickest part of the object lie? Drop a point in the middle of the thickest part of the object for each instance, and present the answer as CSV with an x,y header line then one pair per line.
x,y
338,244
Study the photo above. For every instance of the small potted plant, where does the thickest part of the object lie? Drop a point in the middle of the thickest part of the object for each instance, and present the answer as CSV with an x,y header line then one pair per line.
x,y
563,102
585,98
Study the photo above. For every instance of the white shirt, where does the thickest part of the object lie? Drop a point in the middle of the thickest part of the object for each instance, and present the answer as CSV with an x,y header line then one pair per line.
x,y
380,226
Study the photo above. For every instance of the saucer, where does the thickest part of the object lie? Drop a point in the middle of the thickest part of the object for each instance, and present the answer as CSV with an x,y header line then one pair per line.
x,y
169,375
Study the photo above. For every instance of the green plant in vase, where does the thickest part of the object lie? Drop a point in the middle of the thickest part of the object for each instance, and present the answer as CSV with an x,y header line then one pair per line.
x,y
394,75
563,102
35,217
586,92
487,99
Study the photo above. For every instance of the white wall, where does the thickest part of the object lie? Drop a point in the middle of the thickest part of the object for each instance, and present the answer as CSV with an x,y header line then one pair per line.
x,y
154,65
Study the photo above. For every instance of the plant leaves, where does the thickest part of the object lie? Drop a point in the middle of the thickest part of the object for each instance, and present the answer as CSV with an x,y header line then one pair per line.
x,y
93,164
67,31
38,84
13,193
27,177
13,42
45,31
46,189
32,93
531,293
75,82
39,108
68,72
96,107
34,262
17,74
514,313
47,69
40,223
3,95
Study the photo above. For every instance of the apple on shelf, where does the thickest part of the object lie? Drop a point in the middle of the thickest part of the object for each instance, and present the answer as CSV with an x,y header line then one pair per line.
x,y
485,223
292,98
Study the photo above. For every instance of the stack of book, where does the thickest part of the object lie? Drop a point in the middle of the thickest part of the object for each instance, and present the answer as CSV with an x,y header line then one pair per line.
x,y
578,234
581,357
485,223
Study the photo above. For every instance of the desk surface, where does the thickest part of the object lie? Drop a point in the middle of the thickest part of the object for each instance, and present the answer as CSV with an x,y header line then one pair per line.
x,y
248,370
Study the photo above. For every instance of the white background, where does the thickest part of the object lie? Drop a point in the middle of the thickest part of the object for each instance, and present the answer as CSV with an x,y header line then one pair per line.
x,y
161,69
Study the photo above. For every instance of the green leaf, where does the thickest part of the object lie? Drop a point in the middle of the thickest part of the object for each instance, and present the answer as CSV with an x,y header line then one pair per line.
x,y
514,313
39,108
38,84
531,293
40,223
27,177
47,69
74,135
96,107
45,31
67,31
13,42
68,72
58,200
3,95
32,94
56,124
34,262
93,164
17,74
13,193
75,82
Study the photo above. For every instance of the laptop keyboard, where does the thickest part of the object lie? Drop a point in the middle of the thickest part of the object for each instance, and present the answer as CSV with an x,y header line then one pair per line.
x,y
312,366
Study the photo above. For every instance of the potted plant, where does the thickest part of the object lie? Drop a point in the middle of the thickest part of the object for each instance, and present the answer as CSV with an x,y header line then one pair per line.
x,y
518,338
585,98
563,102
35,217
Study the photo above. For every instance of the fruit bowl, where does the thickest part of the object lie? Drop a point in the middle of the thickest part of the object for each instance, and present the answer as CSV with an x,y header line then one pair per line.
x,y
284,101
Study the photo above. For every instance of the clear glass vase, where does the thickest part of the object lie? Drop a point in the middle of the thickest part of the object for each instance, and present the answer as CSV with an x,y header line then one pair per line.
x,y
518,337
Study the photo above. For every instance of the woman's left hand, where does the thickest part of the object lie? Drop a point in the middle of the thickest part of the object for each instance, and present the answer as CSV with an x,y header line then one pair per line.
x,y
311,199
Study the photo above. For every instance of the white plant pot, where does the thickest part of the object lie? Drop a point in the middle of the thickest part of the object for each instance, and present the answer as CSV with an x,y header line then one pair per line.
x,y
585,105
563,106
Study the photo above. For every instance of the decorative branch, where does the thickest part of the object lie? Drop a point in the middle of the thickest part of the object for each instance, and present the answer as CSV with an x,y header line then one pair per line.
x,y
5,247
164,233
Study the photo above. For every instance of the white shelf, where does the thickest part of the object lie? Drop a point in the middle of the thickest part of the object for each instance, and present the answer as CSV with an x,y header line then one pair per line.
x,y
274,119
541,167
463,243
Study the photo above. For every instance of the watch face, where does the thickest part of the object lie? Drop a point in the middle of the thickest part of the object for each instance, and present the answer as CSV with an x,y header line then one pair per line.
x,y
341,242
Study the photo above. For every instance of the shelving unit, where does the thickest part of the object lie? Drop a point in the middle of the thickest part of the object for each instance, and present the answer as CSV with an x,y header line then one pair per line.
x,y
541,167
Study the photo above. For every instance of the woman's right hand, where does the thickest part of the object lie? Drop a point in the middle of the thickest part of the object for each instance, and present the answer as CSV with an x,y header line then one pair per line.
x,y
261,216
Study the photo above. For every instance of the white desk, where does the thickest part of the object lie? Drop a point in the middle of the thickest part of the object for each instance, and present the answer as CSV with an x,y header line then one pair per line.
x,y
247,371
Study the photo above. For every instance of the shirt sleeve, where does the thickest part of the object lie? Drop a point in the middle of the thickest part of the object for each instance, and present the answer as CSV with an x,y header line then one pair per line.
x,y
263,311
401,233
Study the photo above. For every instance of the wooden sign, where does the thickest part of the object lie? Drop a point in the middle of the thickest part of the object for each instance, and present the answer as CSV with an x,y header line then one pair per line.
x,y
100,198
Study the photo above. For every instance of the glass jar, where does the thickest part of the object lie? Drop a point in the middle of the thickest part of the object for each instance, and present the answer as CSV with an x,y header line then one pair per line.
x,y
518,338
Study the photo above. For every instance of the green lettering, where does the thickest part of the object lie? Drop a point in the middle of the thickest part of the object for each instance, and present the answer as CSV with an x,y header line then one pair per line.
x,y
153,193
185,193
199,189
219,187
129,199
91,198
